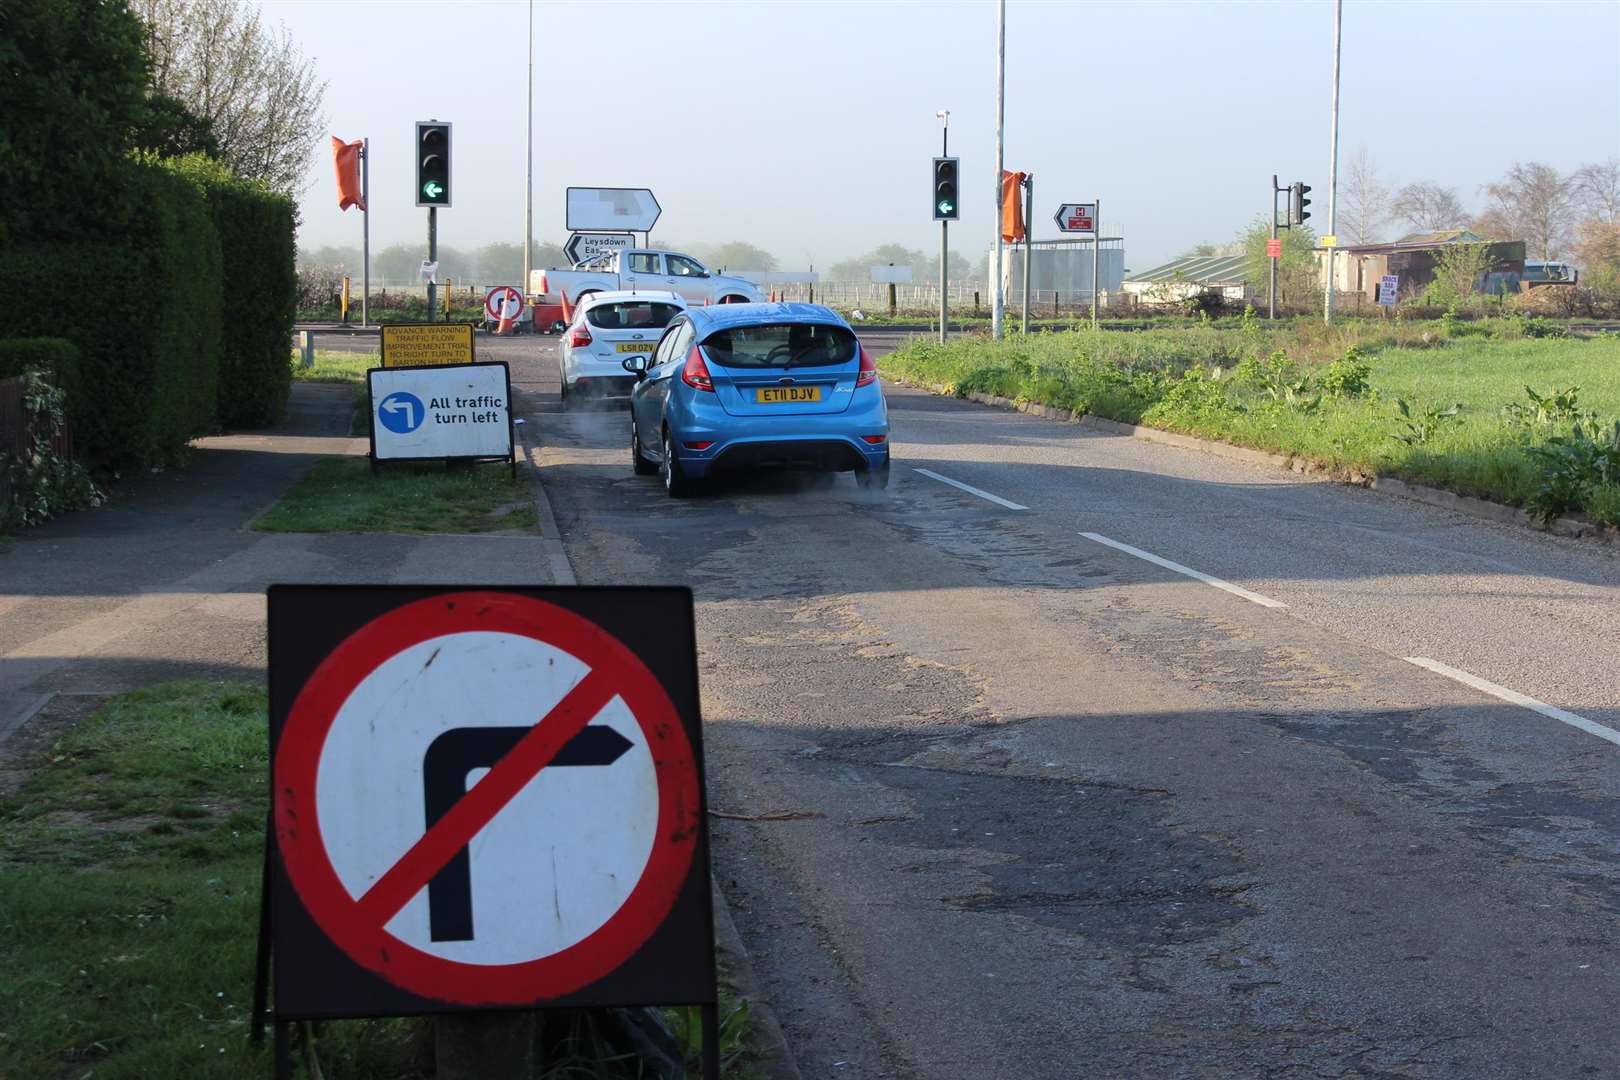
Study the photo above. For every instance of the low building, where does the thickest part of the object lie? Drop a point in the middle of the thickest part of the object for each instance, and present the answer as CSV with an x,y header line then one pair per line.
x,y
1358,268
1186,277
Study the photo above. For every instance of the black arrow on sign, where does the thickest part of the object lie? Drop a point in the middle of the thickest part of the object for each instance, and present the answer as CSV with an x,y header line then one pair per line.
x,y
571,249
445,766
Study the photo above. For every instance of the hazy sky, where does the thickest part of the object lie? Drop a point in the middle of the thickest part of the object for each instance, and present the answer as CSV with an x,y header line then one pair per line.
x,y
807,127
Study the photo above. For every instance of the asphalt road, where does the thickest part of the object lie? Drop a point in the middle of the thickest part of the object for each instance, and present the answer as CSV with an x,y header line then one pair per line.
x,y
1005,799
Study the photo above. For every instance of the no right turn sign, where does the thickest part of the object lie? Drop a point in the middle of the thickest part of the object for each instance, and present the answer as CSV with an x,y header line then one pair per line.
x,y
486,798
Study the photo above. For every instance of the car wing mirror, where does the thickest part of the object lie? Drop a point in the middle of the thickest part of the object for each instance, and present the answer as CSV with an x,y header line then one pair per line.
x,y
635,365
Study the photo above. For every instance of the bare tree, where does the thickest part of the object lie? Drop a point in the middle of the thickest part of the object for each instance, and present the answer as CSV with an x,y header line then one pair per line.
x,y
1533,203
1429,206
1364,201
1598,187
258,91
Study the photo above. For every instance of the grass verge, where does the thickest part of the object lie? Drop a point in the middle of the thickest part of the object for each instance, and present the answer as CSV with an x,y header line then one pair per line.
x,y
342,494
129,898
1439,405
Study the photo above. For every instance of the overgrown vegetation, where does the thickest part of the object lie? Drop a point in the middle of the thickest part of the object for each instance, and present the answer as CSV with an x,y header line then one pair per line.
x,y
1447,406
39,480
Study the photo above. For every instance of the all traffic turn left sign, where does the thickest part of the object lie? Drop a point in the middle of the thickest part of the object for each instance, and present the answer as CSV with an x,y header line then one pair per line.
x,y
487,798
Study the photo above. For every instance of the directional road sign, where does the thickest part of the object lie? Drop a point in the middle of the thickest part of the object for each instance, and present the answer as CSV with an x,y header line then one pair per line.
x,y
611,209
1076,217
453,411
588,245
485,798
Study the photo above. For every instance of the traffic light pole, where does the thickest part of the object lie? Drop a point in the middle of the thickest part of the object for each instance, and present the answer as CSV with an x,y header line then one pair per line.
x,y
944,248
433,257
365,232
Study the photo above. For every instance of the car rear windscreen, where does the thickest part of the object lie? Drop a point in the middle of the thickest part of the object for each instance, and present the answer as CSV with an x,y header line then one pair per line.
x,y
632,315
781,345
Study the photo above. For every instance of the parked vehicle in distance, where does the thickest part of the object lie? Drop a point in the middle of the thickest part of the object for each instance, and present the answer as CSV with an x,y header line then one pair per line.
x,y
644,270
753,386
607,327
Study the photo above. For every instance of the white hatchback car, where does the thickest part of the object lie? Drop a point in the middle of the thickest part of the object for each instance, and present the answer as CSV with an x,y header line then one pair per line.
x,y
608,327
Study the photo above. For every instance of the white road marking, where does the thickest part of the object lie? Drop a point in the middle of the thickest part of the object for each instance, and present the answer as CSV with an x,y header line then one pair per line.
x,y
1227,586
1516,698
971,490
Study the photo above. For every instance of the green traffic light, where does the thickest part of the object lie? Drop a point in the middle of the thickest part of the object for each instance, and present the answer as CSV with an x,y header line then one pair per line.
x,y
946,206
432,189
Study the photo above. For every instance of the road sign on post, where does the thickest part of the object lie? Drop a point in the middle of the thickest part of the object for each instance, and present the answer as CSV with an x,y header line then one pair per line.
x,y
485,799
1274,249
1389,290
453,412
611,209
588,245
1076,217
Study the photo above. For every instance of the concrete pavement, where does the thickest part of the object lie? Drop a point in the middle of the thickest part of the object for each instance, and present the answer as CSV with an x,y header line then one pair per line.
x,y
167,581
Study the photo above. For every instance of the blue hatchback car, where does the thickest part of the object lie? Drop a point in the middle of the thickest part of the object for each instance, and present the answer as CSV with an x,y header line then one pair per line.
x,y
738,387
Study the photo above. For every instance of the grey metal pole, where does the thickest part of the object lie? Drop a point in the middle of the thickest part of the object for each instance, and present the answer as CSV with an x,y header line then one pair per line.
x,y
365,232
1271,296
1096,260
433,257
1029,224
998,300
944,232
1333,168
528,172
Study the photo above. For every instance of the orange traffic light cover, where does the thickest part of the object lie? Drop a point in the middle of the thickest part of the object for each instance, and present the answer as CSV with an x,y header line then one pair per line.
x,y
346,158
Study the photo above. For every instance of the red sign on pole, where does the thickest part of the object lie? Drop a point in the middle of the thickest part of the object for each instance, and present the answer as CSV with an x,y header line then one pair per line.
x,y
1273,249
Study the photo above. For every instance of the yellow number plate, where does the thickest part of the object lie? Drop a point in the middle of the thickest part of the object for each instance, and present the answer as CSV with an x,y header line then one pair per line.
x,y
786,395
638,346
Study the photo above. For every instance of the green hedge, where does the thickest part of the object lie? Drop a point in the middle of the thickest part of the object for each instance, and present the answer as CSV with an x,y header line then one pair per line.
x,y
147,326
58,356
257,237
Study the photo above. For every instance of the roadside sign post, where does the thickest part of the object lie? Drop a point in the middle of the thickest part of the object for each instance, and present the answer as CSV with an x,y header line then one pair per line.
x,y
1274,251
1096,259
611,209
583,246
447,762
1389,290
504,307
426,345
1029,236
1086,217
457,412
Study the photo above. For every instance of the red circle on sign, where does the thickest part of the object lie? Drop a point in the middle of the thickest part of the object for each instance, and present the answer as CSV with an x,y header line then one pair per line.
x,y
497,299
337,912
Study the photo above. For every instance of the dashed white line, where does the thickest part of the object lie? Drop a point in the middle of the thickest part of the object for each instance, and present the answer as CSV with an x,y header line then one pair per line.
x,y
971,490
1514,697
1227,586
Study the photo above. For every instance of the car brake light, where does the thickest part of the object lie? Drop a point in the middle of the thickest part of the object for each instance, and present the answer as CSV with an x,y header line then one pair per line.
x,y
696,373
702,444
868,370
580,337
874,439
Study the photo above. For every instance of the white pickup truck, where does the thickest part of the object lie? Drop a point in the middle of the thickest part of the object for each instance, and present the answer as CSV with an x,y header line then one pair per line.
x,y
645,269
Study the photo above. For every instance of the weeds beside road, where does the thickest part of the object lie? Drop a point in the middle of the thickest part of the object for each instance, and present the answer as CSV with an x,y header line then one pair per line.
x,y
1441,403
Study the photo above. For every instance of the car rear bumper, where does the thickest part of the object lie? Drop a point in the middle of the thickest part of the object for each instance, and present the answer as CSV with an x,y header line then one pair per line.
x,y
831,442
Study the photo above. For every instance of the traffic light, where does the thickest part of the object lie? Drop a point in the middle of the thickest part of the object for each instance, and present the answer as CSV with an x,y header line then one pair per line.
x,y
1297,202
946,206
432,163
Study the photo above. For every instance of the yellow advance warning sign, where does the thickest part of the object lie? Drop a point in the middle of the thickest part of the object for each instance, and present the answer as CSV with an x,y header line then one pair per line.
x,y
425,344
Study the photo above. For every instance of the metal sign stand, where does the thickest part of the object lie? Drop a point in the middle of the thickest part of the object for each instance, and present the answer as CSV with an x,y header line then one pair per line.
x,y
1029,236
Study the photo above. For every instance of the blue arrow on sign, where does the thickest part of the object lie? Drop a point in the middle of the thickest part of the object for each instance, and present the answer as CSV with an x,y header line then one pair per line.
x,y
401,413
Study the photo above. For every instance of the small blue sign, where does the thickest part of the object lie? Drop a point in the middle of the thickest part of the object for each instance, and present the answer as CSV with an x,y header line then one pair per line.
x,y
401,413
